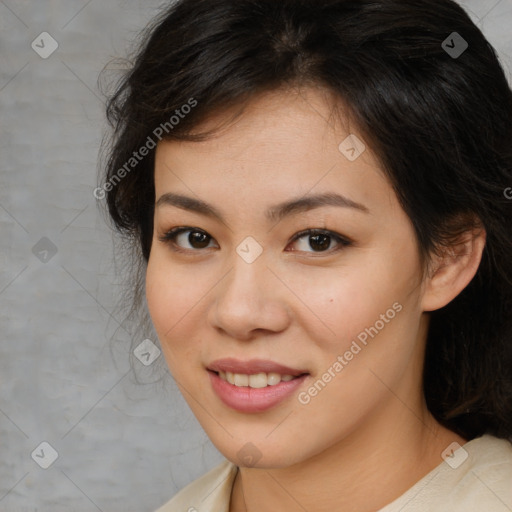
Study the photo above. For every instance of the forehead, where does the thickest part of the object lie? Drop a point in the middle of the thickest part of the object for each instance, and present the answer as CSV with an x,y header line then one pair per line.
x,y
285,143
292,117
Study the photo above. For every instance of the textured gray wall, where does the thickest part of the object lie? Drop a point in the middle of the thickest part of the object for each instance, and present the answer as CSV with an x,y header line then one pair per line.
x,y
121,445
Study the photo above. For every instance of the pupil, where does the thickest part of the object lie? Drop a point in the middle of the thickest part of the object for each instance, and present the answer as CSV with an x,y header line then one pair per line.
x,y
198,240
319,242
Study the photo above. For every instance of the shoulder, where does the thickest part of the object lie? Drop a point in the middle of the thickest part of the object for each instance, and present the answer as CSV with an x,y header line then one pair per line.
x,y
472,478
486,484
209,493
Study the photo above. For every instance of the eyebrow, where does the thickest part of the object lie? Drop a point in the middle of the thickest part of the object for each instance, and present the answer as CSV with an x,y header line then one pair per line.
x,y
274,213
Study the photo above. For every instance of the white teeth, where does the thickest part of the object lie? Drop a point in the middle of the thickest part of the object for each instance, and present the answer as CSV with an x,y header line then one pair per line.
x,y
241,380
273,379
257,380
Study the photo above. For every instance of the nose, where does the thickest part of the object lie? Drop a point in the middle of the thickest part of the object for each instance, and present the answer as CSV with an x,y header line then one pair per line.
x,y
249,301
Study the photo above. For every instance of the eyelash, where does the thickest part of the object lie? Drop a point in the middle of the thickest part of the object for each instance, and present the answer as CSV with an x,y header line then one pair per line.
x,y
170,238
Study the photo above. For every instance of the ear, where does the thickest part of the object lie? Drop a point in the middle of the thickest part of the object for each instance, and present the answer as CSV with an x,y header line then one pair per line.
x,y
450,272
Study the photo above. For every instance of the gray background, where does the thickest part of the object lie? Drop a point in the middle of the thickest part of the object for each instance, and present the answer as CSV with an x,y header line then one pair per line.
x,y
123,442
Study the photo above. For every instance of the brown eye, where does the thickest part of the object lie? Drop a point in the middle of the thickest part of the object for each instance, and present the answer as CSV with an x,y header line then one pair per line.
x,y
319,241
185,238
198,240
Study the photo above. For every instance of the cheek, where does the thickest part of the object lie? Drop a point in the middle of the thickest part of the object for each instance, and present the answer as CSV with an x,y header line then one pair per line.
x,y
368,312
173,299
337,304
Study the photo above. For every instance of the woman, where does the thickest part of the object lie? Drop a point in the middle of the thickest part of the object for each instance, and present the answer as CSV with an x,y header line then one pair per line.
x,y
317,189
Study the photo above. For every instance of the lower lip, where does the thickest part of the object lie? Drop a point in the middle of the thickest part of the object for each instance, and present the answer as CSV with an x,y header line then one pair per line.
x,y
246,399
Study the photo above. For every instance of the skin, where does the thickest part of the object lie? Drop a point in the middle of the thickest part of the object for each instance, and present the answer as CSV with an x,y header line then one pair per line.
x,y
367,436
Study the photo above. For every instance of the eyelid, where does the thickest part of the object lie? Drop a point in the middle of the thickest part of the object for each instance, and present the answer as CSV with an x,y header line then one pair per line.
x,y
343,241
174,232
169,237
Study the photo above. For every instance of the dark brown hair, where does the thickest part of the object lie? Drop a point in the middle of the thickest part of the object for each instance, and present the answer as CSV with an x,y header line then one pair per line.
x,y
437,114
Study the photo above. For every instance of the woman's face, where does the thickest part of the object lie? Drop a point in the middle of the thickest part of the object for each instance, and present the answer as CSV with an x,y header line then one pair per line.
x,y
248,296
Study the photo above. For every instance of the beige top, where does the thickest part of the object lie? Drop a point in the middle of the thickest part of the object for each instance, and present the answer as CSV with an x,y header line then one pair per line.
x,y
479,481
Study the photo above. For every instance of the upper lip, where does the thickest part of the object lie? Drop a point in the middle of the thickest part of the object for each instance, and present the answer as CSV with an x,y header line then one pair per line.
x,y
252,366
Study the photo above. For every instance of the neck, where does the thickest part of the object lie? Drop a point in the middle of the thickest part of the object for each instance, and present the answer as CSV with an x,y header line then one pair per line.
x,y
363,472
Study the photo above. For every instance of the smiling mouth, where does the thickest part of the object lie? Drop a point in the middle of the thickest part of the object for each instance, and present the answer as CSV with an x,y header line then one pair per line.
x,y
255,380
255,385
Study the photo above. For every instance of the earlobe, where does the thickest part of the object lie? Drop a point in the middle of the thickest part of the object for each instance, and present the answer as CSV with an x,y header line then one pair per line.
x,y
453,270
